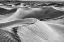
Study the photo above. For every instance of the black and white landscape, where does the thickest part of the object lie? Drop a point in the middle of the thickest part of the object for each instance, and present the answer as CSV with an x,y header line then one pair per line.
x,y
32,22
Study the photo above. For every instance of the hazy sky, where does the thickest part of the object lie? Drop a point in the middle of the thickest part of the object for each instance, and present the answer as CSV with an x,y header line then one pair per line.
x,y
43,0
32,0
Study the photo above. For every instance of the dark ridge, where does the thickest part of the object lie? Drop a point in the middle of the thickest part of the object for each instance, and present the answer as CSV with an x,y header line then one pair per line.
x,y
5,38
15,30
16,37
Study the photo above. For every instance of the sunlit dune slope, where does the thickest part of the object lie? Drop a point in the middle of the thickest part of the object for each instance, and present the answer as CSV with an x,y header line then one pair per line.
x,y
39,13
41,32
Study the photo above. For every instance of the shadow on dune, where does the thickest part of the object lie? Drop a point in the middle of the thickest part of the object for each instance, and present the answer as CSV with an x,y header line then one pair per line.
x,y
6,36
5,11
47,13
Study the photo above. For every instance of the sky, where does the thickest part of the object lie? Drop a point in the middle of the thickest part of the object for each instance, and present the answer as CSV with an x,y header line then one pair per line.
x,y
43,0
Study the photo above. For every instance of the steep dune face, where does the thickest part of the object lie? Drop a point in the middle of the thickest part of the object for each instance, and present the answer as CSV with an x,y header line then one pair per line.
x,y
39,32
